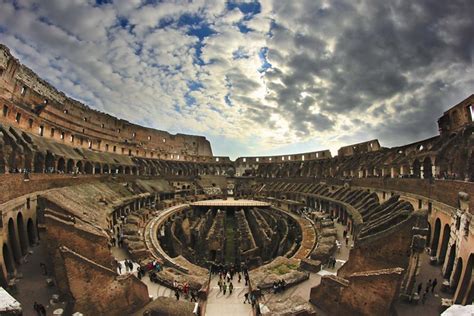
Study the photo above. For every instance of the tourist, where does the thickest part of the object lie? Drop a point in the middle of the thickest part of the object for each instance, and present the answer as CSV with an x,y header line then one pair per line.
x,y
176,294
275,287
253,299
186,290
220,285
224,287
433,285
246,296
247,279
42,310
193,296
36,308
45,270
428,285
231,287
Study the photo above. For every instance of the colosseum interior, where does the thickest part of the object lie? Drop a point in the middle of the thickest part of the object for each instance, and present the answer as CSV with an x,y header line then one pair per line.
x,y
104,217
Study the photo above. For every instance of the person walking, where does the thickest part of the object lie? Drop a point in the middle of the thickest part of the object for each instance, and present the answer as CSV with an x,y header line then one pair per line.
x,y
433,285
239,277
45,270
231,287
193,296
176,294
428,285
220,285
36,308
246,296
224,288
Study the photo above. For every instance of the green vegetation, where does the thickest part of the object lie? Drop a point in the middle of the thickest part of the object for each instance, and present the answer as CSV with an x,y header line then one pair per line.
x,y
283,269
230,238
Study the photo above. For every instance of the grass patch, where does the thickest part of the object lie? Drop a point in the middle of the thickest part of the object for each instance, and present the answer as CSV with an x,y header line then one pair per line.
x,y
283,269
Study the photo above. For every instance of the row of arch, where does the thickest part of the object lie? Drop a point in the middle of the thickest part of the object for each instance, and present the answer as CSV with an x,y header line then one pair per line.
x,y
332,168
21,235
49,164
457,268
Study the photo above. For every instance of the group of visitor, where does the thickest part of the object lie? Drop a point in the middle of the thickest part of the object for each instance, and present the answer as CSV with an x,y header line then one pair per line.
x,y
279,286
185,289
430,286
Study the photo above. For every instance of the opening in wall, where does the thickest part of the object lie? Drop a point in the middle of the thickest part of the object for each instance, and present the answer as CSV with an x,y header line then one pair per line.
x,y
5,110
18,118
420,204
41,130
52,132
30,123
23,90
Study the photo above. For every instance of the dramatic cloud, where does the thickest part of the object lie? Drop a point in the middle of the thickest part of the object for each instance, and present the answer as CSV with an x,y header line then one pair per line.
x,y
255,77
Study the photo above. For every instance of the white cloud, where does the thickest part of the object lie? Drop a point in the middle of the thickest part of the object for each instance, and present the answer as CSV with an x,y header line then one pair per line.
x,y
335,65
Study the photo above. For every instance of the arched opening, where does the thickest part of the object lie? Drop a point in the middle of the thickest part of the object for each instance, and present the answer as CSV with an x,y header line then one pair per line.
x,y
416,168
134,170
450,263
466,281
49,162
61,165
120,169
79,166
8,260
127,170
97,169
105,169
427,168
31,232
444,243
456,275
13,241
22,233
434,244
38,164
70,166
88,168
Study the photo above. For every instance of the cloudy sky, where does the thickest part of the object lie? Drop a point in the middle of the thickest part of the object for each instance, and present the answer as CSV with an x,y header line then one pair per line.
x,y
255,77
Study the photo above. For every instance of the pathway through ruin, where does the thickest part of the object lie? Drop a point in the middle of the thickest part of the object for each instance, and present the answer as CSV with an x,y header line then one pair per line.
x,y
219,304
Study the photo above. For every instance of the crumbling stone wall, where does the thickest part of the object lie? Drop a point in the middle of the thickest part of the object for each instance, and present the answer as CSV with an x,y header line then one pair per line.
x,y
363,293
98,290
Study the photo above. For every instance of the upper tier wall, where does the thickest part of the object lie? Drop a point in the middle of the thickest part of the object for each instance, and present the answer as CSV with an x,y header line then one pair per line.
x,y
34,105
